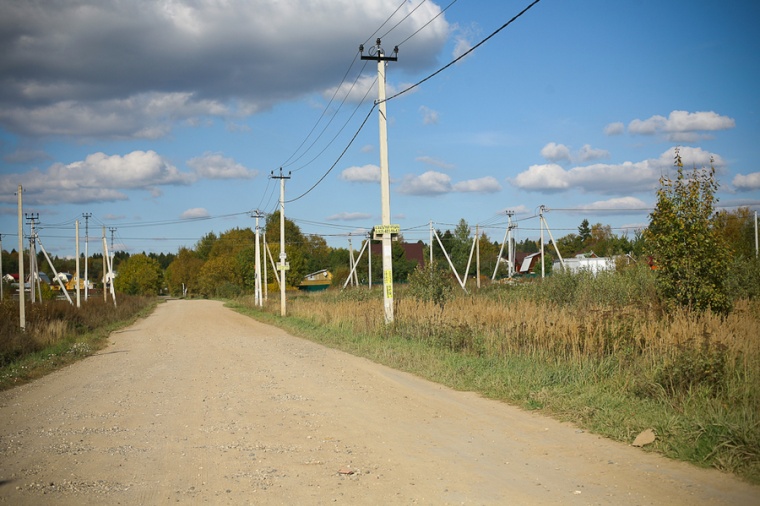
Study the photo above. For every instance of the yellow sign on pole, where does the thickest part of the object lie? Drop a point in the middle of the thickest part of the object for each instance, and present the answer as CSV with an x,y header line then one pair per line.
x,y
380,230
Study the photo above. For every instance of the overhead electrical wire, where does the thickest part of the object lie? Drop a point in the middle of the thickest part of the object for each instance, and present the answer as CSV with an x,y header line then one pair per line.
x,y
473,48
402,19
385,22
426,24
410,88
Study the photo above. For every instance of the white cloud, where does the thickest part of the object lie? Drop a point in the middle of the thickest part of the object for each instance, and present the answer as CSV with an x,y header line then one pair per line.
x,y
429,183
486,184
216,166
437,183
587,153
555,152
749,182
429,116
365,174
545,178
614,128
429,160
349,217
97,178
620,205
682,126
194,213
216,59
610,178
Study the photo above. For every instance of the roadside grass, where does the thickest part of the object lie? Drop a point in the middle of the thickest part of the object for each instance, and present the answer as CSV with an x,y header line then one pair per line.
x,y
596,352
58,334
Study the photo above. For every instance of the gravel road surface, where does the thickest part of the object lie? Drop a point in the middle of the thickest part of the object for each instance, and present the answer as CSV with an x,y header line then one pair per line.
x,y
197,404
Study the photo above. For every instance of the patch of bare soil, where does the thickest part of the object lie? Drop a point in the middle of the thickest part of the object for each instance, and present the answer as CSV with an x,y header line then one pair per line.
x,y
200,405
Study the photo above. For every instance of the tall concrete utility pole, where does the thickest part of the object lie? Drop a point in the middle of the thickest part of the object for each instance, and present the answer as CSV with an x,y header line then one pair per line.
x,y
283,265
386,231
21,294
34,278
79,302
258,300
87,217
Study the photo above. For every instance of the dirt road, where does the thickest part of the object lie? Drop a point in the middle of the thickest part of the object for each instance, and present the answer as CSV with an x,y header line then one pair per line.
x,y
200,405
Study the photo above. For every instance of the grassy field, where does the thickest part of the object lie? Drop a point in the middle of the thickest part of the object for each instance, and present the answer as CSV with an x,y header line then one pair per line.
x,y
597,351
58,333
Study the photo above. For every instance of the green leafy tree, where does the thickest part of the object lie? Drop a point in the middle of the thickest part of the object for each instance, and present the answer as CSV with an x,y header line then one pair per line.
x,y
139,275
690,255
184,270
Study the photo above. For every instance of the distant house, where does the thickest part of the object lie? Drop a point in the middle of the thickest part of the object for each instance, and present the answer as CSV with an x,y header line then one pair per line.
x,y
588,262
412,250
316,281
525,262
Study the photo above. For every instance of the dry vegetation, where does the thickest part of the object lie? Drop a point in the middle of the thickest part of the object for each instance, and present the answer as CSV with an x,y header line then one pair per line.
x,y
58,333
595,350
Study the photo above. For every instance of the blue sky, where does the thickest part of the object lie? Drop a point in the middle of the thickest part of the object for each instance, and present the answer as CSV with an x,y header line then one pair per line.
x,y
164,119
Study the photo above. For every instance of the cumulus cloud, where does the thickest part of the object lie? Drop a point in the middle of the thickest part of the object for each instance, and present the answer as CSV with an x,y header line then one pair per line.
x,y
105,178
349,217
365,174
610,178
429,183
682,126
210,59
195,213
587,153
555,152
486,184
216,166
620,205
747,183
614,129
437,183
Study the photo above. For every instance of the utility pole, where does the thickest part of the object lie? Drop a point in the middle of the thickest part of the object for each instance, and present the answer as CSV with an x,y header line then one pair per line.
x,y
113,251
386,231
31,219
258,301
79,302
369,258
283,265
541,226
87,217
756,242
477,255
21,295
264,254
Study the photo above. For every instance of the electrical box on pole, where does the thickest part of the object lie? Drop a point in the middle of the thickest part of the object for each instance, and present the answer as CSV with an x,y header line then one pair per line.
x,y
386,229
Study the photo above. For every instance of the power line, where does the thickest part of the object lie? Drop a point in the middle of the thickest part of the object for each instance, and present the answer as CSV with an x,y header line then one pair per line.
x,y
336,161
473,48
426,24
402,19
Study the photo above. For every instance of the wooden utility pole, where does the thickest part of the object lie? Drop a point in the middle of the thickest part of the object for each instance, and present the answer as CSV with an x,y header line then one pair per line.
x,y
386,231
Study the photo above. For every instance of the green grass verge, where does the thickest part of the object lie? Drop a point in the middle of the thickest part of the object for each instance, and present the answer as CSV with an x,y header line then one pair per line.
x,y
592,395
